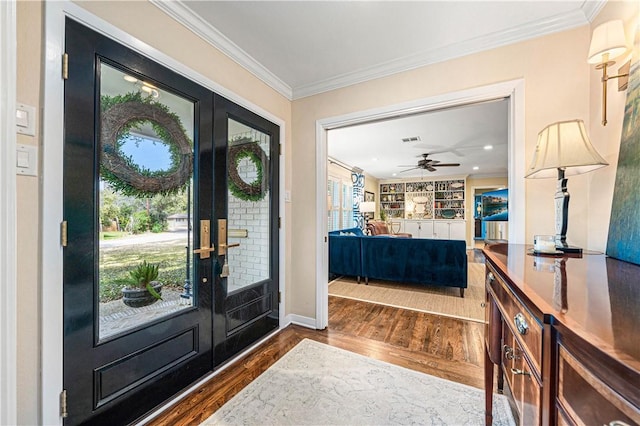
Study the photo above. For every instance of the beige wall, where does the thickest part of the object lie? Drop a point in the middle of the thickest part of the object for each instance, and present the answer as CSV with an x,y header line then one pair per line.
x,y
558,85
149,24
372,184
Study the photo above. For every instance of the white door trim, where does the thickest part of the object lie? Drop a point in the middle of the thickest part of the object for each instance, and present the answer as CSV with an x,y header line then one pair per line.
x,y
514,90
8,266
52,173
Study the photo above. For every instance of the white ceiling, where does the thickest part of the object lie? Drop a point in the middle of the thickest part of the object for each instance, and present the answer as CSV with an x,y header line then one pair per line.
x,y
301,48
455,135
306,47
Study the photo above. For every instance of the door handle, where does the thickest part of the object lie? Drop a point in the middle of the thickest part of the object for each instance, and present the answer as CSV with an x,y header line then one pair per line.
x,y
222,238
223,246
205,240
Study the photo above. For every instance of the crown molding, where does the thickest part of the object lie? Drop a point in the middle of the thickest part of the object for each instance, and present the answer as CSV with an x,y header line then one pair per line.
x,y
592,8
185,16
490,41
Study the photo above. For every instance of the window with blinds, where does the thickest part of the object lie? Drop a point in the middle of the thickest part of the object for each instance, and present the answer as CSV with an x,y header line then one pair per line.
x,y
339,204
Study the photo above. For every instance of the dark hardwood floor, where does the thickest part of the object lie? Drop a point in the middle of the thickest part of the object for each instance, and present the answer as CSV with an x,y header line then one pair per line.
x,y
445,347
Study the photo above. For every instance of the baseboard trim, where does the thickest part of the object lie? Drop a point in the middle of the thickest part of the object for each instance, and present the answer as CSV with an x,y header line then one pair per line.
x,y
301,321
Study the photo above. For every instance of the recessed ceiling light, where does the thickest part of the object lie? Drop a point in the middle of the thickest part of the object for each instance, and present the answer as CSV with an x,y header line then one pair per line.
x,y
488,147
130,78
476,168
393,174
374,159
411,139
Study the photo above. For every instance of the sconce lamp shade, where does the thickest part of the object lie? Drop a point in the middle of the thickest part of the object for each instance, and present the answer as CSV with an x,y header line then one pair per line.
x,y
607,42
564,145
367,207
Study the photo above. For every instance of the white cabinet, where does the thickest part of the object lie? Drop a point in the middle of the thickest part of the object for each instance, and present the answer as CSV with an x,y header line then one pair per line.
x,y
419,228
449,229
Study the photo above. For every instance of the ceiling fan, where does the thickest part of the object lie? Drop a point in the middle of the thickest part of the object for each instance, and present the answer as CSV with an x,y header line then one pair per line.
x,y
428,164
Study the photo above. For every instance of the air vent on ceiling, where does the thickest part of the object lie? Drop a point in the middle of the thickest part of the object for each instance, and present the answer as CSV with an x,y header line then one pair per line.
x,y
411,139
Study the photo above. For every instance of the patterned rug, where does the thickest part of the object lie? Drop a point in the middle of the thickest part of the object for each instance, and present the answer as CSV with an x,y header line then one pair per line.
x,y
317,384
431,299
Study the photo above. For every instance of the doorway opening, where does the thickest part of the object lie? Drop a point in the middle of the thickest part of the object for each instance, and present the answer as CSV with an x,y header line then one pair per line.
x,y
513,91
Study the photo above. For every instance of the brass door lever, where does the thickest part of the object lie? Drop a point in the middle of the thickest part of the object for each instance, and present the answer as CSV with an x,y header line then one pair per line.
x,y
205,240
222,238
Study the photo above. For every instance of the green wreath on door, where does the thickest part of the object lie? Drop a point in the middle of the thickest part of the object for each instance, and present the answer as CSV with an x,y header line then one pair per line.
x,y
248,191
119,115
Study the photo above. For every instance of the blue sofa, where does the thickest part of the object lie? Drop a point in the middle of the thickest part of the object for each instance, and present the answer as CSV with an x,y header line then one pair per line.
x,y
413,260
345,252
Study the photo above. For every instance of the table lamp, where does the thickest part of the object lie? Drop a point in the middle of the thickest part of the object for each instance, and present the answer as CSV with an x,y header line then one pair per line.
x,y
564,149
367,207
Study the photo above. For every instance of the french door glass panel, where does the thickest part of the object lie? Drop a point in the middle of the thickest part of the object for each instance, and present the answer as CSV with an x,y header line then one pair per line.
x,y
134,227
248,219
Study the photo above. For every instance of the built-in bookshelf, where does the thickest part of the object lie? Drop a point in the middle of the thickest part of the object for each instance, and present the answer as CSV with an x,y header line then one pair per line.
x,y
437,199
392,199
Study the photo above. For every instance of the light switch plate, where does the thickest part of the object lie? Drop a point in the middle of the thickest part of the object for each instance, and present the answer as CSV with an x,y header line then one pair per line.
x,y
26,119
26,160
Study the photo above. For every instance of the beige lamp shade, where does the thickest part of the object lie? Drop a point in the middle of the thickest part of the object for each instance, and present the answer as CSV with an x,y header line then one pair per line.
x,y
607,42
564,145
367,207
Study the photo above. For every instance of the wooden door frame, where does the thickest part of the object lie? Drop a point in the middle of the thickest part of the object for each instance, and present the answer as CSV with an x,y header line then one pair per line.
x,y
51,191
513,90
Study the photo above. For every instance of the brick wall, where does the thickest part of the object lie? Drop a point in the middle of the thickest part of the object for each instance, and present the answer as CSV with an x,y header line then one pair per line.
x,y
249,263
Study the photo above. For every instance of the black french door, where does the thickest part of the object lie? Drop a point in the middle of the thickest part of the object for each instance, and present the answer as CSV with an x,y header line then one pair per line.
x,y
246,296
148,191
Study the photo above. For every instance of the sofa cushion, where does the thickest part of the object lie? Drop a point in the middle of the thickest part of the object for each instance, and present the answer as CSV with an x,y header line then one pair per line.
x,y
376,227
345,252
349,231
417,260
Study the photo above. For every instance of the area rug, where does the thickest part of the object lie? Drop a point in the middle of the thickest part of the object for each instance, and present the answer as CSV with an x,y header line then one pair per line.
x,y
431,299
317,384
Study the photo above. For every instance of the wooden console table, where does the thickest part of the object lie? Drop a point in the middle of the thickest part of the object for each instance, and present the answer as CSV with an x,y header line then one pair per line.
x,y
565,334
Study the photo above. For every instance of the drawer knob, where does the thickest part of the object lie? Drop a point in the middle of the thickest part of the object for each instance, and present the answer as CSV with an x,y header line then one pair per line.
x,y
508,352
490,277
521,323
519,372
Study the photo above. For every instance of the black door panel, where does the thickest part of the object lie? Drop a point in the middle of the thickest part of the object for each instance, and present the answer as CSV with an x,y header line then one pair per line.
x,y
118,366
116,380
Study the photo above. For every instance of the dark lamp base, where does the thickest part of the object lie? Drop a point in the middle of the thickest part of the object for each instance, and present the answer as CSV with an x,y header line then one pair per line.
x,y
569,249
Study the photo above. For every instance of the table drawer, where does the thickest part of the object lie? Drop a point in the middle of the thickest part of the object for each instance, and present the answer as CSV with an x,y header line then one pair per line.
x,y
524,384
525,327
586,399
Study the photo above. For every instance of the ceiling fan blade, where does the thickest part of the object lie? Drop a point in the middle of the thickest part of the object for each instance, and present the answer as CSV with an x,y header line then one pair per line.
x,y
431,168
413,168
447,165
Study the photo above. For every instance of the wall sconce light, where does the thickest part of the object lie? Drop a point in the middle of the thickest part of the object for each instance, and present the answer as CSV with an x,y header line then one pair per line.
x,y
564,148
608,42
